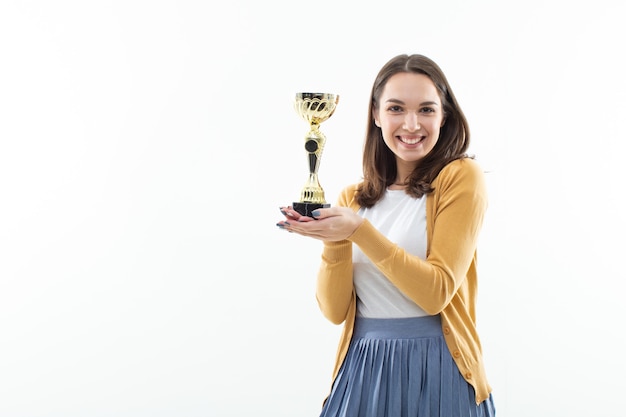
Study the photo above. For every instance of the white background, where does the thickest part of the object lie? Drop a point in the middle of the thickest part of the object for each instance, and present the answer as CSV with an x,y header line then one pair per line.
x,y
145,147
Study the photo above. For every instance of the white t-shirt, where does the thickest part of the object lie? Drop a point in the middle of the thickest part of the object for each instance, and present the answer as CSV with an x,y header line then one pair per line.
x,y
402,219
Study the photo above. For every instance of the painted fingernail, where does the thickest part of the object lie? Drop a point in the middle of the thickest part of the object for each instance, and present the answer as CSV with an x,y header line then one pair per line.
x,y
315,213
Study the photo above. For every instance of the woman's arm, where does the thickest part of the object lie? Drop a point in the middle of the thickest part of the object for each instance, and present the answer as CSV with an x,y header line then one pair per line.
x,y
335,287
459,202
334,281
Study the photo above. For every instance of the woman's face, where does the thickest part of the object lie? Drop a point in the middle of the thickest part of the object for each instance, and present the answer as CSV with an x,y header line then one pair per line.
x,y
410,116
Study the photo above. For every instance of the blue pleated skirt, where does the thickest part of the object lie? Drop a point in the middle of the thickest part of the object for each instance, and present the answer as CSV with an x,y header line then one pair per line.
x,y
401,368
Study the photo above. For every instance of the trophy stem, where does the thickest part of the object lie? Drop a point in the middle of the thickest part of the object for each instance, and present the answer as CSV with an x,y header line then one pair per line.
x,y
314,146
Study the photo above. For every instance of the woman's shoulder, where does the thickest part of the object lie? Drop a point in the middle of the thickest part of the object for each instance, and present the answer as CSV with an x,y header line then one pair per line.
x,y
463,172
463,167
347,197
350,188
466,164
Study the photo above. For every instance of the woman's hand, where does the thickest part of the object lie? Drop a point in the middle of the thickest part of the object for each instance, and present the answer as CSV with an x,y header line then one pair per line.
x,y
328,224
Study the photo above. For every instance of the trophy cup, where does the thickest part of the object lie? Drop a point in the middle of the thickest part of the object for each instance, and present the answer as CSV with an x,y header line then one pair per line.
x,y
314,108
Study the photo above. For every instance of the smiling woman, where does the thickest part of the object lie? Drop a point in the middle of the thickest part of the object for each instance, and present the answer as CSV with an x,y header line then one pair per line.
x,y
399,259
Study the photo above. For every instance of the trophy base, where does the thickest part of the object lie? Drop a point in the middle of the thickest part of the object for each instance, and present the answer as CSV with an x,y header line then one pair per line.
x,y
306,209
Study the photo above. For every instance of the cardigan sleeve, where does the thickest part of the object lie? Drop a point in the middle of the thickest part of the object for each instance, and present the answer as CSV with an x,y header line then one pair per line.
x,y
335,289
460,202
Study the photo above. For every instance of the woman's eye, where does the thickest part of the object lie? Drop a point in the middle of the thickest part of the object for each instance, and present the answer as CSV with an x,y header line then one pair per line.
x,y
395,108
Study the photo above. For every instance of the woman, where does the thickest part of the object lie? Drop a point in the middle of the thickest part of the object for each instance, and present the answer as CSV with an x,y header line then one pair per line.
x,y
399,260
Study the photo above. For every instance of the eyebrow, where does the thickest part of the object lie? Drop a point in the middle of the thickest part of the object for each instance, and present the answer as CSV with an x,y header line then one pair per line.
x,y
425,103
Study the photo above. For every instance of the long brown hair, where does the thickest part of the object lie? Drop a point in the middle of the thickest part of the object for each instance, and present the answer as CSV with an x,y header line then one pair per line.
x,y
379,163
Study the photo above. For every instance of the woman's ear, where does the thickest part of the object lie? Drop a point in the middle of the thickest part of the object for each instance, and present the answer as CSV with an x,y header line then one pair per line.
x,y
376,122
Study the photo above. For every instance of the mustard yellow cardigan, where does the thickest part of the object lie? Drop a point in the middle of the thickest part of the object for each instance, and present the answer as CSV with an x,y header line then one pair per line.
x,y
445,283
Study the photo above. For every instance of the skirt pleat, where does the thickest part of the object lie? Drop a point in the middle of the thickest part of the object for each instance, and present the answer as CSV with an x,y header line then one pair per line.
x,y
401,368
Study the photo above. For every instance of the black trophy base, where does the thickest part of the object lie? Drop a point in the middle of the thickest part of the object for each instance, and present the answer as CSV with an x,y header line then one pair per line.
x,y
306,209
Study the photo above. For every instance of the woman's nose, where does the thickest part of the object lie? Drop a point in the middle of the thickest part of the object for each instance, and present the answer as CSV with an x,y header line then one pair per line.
x,y
411,122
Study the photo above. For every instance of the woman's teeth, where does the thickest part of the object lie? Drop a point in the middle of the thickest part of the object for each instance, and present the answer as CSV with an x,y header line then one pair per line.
x,y
412,141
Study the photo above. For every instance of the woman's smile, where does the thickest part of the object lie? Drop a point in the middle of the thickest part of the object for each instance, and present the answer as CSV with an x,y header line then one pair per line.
x,y
411,140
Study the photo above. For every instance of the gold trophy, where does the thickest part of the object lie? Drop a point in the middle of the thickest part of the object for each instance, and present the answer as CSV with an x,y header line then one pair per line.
x,y
314,108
